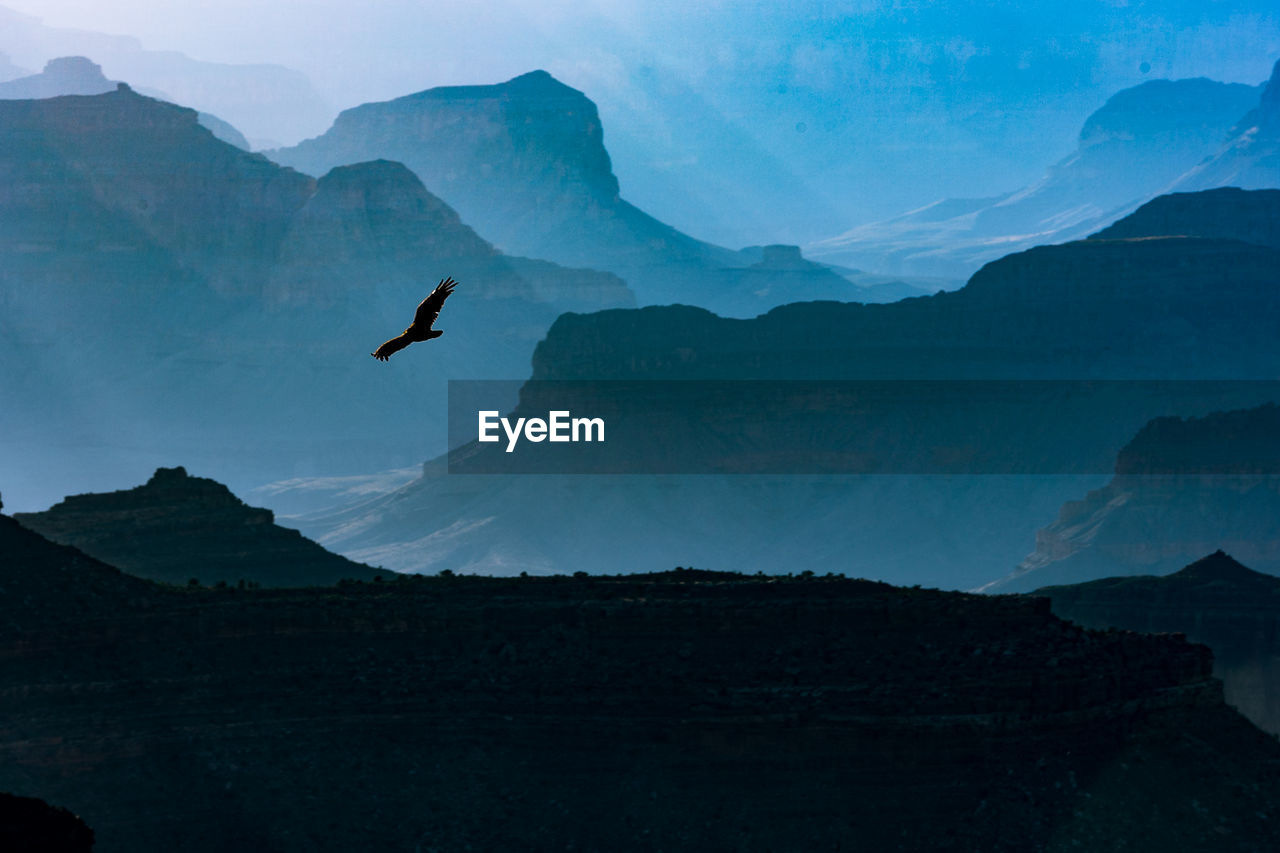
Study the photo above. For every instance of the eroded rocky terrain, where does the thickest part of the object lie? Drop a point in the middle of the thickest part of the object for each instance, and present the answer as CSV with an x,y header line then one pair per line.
x,y
681,710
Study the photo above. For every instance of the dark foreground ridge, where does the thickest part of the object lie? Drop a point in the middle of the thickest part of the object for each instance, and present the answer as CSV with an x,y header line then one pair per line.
x,y
28,825
676,711
1215,601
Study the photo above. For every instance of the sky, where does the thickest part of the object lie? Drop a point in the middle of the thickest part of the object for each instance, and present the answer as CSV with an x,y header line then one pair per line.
x,y
748,122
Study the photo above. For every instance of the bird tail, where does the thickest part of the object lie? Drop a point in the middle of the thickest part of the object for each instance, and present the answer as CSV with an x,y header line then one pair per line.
x,y
434,333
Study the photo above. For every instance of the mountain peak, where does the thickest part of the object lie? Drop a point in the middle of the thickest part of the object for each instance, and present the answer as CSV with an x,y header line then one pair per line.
x,y
1220,567
66,75
79,66
170,476
175,527
382,207
539,80
536,76
1271,92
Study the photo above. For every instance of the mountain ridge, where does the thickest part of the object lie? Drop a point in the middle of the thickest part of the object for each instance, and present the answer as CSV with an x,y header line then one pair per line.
x,y
1161,310
175,527
1215,600
525,162
1182,486
531,689
190,275
1140,144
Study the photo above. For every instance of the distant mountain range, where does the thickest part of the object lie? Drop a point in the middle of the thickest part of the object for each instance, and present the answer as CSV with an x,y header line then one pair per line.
x,y
1159,137
283,104
1214,600
171,297
524,162
177,528
76,75
1150,306
9,71
1182,487
1250,159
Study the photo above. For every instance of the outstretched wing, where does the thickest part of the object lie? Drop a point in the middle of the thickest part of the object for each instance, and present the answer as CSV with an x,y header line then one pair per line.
x,y
392,346
429,308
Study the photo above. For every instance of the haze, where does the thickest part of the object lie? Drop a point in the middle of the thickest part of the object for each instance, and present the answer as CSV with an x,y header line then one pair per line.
x,y
748,122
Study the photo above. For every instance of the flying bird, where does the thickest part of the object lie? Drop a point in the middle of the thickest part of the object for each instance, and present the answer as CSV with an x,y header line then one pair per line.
x,y
420,329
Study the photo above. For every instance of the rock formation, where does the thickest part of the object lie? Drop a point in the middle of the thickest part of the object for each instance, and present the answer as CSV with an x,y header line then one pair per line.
x,y
683,710
78,75
1250,156
176,527
1216,601
524,162
1135,147
1182,487
177,277
1151,307
264,100
29,824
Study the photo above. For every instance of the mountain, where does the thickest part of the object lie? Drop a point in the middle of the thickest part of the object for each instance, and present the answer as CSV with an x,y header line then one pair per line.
x,y
1181,487
168,295
76,75
68,75
265,101
1138,317
27,823
1135,147
521,159
44,582
524,162
9,71
1250,157
1147,306
1229,213
679,708
176,527
1215,601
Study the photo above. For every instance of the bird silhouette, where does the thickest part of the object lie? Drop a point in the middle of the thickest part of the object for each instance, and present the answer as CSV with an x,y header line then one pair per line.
x,y
420,329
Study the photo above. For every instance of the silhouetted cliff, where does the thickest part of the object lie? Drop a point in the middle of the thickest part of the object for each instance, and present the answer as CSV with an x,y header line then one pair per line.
x,y
43,583
1174,307
682,710
29,825
176,527
1229,213
1216,601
